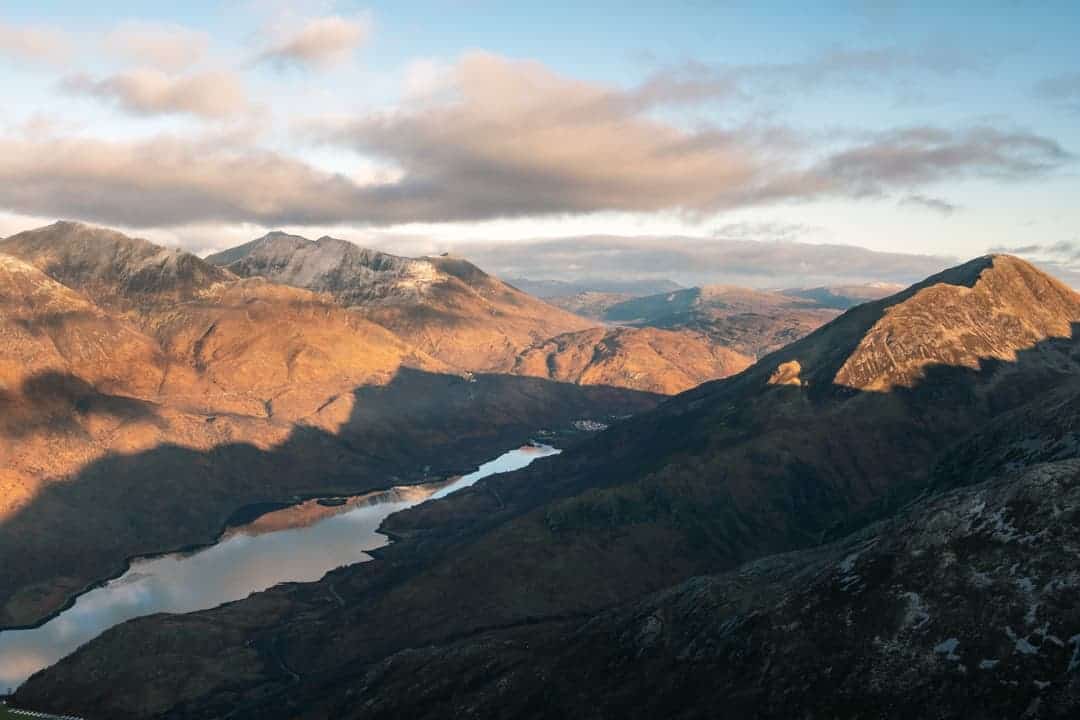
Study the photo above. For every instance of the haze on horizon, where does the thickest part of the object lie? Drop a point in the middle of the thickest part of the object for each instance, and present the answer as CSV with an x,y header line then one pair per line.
x,y
699,143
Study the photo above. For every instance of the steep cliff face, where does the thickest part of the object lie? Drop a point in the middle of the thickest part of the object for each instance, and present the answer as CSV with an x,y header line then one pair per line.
x,y
445,306
518,572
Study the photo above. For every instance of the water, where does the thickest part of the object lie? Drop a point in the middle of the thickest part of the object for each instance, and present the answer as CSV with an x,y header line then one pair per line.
x,y
297,544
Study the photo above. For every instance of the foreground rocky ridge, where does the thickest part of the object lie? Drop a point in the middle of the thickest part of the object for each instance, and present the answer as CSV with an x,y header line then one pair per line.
x,y
542,568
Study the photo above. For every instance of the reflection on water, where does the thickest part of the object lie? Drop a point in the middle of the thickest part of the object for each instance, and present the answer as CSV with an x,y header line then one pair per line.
x,y
297,544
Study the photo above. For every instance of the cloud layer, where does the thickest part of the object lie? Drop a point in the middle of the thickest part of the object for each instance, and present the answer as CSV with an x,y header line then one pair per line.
x,y
758,255
485,137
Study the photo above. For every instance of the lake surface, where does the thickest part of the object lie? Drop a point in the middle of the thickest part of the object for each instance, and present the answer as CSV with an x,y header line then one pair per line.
x,y
297,544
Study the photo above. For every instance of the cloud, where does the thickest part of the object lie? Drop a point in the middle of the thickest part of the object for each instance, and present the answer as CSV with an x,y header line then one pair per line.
x,y
34,44
913,156
866,68
1063,89
320,42
929,203
165,47
167,181
152,92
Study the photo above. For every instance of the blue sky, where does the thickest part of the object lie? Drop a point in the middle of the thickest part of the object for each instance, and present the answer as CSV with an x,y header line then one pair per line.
x,y
946,128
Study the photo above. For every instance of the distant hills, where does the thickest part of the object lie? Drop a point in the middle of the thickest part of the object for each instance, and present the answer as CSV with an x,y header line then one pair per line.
x,y
877,518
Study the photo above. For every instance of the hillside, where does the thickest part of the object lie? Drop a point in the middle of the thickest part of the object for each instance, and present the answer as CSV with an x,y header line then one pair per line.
x,y
750,322
544,577
445,306
660,361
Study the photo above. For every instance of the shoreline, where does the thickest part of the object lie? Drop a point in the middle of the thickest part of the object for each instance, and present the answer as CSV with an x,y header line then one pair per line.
x,y
230,523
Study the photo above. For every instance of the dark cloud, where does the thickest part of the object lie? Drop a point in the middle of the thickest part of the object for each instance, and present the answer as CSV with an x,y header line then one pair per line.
x,y
914,156
929,203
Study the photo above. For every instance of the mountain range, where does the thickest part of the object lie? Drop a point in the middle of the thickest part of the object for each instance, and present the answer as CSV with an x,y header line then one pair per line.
x,y
877,519
282,368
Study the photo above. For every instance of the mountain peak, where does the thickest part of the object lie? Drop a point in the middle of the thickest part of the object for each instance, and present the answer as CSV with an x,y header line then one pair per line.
x,y
105,263
989,308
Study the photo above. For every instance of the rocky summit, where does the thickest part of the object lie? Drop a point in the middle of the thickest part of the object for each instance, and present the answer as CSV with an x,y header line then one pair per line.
x,y
865,523
445,306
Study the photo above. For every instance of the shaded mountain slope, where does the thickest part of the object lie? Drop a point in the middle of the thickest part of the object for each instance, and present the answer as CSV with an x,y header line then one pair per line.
x,y
815,441
962,606
445,306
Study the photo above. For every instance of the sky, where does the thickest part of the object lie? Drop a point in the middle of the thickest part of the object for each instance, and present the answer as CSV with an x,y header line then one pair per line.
x,y
644,137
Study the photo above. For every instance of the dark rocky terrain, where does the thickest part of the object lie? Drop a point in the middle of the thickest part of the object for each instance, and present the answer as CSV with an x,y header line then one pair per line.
x,y
877,520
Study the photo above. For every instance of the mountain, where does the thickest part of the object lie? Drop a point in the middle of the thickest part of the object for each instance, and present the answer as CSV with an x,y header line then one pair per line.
x,y
659,361
147,396
961,606
887,466
842,297
445,306
591,305
111,268
751,322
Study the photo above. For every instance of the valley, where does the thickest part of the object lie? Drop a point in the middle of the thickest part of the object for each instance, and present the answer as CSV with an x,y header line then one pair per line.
x,y
736,479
